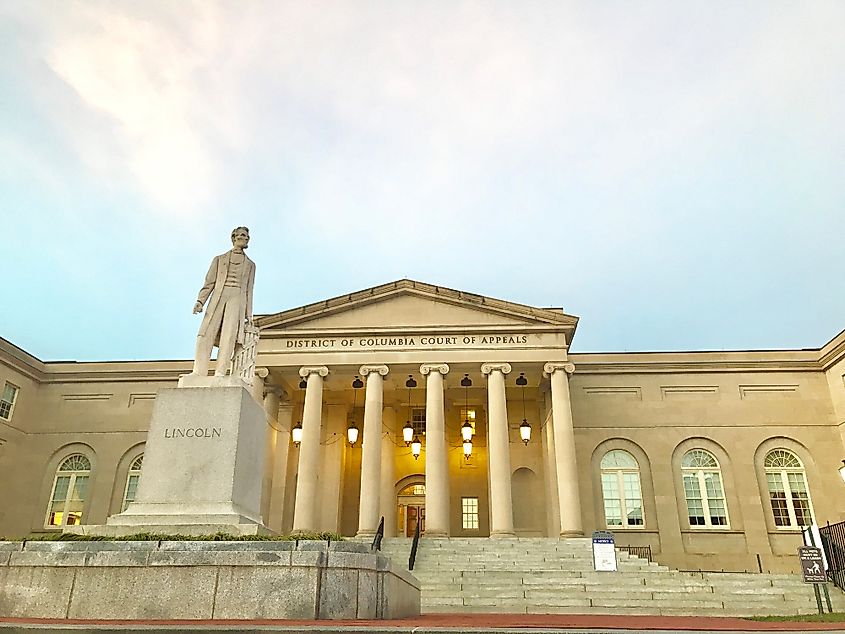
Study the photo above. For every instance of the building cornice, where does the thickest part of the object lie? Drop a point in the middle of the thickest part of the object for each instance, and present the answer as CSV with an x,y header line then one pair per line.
x,y
21,361
696,362
833,351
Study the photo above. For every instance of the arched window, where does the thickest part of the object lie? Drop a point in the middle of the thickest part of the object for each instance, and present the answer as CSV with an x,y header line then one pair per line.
x,y
788,489
132,481
69,490
703,489
620,486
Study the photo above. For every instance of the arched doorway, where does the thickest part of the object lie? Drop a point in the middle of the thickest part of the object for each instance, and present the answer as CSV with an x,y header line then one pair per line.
x,y
410,505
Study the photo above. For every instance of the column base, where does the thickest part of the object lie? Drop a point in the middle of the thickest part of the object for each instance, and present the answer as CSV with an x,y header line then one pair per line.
x,y
369,533
502,535
434,533
572,533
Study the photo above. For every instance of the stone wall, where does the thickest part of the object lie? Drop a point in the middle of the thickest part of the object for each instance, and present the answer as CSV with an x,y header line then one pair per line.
x,y
202,580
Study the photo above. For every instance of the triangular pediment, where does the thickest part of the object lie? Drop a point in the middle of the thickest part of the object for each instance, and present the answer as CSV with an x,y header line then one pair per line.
x,y
412,304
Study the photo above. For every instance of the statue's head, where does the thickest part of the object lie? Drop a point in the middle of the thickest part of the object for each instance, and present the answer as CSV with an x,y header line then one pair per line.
x,y
240,237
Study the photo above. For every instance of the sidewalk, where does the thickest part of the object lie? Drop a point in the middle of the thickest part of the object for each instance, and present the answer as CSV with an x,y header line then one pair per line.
x,y
431,624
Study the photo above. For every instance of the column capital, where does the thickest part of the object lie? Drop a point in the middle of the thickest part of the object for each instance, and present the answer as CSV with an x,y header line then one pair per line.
x,y
322,370
488,368
364,370
551,368
427,368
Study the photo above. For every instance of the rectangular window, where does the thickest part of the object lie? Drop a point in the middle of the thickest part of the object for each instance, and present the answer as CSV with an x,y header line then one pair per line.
x,y
418,421
695,507
612,500
777,495
633,499
469,513
131,489
7,401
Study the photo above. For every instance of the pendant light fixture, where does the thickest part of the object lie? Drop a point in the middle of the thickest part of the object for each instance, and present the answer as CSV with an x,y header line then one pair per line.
x,y
296,430
352,431
416,447
408,429
524,427
466,428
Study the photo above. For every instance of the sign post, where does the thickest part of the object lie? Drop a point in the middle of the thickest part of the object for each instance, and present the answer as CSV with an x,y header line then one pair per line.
x,y
604,551
812,567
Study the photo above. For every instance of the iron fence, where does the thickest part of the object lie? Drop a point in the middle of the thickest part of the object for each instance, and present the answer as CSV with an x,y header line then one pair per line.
x,y
643,552
833,543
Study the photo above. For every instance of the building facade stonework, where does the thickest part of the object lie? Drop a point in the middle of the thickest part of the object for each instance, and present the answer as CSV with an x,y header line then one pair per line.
x,y
713,459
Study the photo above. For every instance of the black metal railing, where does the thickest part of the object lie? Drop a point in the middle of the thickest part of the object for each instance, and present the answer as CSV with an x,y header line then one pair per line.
x,y
833,543
379,535
413,557
643,552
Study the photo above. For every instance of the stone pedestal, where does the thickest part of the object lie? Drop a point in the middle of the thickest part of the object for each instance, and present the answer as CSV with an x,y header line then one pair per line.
x,y
203,462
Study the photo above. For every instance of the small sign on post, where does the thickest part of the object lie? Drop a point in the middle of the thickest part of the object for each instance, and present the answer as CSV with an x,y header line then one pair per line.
x,y
604,551
812,564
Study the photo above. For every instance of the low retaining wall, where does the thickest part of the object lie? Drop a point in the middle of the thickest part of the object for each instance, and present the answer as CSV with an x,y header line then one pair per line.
x,y
202,580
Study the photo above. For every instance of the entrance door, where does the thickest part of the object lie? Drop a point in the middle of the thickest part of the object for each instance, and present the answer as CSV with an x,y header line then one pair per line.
x,y
411,509
415,514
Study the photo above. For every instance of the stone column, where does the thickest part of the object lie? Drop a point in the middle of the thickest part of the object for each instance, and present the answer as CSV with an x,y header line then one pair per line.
x,y
564,439
436,464
499,451
369,507
553,506
272,400
387,499
304,514
280,468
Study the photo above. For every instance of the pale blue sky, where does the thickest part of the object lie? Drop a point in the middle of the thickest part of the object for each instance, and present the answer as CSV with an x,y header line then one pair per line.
x,y
671,172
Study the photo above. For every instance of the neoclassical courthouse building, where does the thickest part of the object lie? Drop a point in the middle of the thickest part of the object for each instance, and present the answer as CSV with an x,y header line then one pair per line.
x,y
714,459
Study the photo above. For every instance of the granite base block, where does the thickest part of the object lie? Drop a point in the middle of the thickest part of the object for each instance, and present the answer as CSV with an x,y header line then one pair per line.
x,y
203,580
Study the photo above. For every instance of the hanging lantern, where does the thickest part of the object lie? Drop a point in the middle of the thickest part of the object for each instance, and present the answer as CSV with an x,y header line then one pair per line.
x,y
525,431
466,429
408,429
296,434
524,427
352,434
467,449
303,384
352,431
416,447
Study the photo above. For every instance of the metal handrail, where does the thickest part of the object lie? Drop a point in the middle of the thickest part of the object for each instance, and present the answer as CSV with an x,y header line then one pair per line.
x,y
379,535
833,543
413,557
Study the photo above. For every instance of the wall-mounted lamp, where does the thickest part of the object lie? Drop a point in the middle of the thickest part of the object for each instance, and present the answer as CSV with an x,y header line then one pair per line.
x,y
296,434
416,447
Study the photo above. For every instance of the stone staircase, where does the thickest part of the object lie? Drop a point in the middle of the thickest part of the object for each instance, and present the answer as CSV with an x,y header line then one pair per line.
x,y
544,576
